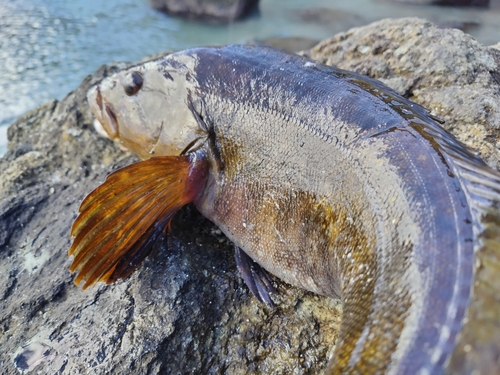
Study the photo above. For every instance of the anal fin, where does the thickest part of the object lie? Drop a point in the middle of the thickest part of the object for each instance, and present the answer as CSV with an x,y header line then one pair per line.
x,y
255,277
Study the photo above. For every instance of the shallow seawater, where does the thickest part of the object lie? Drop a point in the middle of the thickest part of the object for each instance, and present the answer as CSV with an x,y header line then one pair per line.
x,y
47,47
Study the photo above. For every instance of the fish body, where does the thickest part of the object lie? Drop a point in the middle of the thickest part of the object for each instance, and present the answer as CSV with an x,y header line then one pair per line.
x,y
327,179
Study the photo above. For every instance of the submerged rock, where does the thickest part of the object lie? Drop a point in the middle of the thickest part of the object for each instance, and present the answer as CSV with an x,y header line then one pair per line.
x,y
465,26
334,20
219,11
452,3
186,310
292,44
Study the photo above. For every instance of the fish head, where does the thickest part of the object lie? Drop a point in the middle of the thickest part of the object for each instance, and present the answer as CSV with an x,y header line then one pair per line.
x,y
151,108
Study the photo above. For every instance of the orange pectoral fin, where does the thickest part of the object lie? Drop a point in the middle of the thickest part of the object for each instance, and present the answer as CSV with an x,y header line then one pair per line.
x,y
123,220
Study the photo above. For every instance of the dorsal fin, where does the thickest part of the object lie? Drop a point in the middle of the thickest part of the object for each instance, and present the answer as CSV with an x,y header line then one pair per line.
x,y
480,182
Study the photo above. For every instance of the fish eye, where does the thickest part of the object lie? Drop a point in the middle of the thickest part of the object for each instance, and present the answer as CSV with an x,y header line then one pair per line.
x,y
134,83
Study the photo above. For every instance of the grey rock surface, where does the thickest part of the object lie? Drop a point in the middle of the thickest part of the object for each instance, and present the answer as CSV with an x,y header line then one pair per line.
x,y
186,310
218,11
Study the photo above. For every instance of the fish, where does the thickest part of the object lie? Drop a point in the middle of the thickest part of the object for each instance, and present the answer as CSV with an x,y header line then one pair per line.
x,y
324,178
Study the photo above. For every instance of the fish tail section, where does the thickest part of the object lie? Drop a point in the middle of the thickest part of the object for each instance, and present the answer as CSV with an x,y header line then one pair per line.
x,y
123,220
478,346
478,341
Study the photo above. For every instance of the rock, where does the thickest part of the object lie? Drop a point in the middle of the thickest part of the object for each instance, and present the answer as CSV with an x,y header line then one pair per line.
x,y
186,310
334,20
218,11
454,3
465,26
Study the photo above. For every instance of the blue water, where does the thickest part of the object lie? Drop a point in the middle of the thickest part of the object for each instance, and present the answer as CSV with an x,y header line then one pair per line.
x,y
47,47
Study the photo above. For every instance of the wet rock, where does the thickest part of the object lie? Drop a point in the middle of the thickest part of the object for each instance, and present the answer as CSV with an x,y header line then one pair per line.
x,y
454,3
186,310
218,11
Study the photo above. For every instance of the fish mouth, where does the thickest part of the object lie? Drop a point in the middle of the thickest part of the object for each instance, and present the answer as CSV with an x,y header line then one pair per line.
x,y
105,123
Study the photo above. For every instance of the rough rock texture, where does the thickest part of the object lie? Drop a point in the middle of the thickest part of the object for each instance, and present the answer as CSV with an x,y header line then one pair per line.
x,y
219,11
186,309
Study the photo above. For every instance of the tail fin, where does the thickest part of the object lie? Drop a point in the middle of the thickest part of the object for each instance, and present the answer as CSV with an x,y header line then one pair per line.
x,y
478,347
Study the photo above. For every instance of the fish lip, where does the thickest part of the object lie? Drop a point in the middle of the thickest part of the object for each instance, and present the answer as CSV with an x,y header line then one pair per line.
x,y
111,125
100,129
104,114
98,98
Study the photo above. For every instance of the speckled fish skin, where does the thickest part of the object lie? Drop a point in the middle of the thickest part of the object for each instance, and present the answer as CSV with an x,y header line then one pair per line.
x,y
332,182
